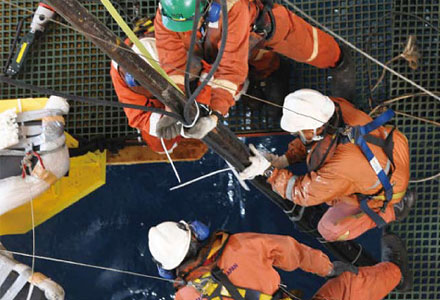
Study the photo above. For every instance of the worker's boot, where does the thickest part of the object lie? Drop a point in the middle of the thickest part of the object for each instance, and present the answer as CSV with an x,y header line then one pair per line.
x,y
401,209
343,82
394,251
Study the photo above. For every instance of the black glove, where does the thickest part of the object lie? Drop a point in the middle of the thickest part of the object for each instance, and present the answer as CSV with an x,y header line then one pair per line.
x,y
340,267
168,128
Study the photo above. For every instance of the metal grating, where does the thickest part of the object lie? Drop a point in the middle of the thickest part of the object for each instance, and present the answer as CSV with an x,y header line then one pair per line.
x,y
64,60
421,230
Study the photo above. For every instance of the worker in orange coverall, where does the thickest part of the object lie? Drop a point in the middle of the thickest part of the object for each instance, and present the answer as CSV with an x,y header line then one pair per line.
x,y
256,31
242,266
130,92
339,172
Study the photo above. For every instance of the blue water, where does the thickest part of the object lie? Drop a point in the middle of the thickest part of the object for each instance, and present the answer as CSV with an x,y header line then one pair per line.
x,y
109,227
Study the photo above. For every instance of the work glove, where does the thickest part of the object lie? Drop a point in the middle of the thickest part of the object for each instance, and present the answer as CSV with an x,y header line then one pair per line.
x,y
259,164
279,162
168,128
203,126
340,267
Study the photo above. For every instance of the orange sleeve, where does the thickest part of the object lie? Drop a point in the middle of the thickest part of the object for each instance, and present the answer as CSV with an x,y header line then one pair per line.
x,y
171,50
296,151
313,188
288,254
233,68
136,118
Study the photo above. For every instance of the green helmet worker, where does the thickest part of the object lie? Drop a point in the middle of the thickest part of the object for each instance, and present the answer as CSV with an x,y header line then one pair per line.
x,y
258,32
220,265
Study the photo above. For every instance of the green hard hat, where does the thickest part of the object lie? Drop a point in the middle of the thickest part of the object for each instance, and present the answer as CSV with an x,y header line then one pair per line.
x,y
178,15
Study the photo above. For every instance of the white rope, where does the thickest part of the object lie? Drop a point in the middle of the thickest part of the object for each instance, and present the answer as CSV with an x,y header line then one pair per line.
x,y
237,175
31,202
425,179
199,178
170,160
360,51
88,265
31,288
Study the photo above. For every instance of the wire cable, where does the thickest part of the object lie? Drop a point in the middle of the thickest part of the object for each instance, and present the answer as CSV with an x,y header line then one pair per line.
x,y
89,266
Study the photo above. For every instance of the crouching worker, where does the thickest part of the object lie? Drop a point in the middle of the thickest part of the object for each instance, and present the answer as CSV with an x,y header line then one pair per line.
x,y
355,164
33,153
129,91
222,264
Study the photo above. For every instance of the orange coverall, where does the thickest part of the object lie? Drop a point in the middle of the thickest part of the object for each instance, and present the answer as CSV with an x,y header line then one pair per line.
x,y
344,173
144,121
249,260
293,38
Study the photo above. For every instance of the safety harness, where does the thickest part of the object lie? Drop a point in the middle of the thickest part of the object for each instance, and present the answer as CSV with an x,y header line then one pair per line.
x,y
215,285
360,136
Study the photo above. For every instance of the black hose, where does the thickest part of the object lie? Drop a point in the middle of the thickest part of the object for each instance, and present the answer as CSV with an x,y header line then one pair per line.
x,y
191,49
34,88
191,100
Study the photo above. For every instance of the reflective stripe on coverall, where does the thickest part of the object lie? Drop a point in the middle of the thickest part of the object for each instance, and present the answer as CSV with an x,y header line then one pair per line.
x,y
344,173
143,120
372,283
249,260
293,38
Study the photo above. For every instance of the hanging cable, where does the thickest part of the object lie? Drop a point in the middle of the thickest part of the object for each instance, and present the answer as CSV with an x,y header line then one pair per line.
x,y
205,81
170,160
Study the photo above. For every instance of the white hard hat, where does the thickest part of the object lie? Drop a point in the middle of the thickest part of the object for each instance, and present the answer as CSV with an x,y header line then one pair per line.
x,y
306,109
150,45
169,243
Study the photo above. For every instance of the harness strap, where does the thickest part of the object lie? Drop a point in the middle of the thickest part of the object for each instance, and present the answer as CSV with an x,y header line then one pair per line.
x,y
380,222
376,123
221,278
361,136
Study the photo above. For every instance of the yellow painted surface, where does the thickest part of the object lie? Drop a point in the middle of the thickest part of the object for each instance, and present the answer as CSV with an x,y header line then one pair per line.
x,y
87,173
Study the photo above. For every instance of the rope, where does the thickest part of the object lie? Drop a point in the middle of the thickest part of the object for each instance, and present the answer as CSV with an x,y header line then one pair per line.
x,y
31,202
170,160
89,266
200,178
425,179
361,51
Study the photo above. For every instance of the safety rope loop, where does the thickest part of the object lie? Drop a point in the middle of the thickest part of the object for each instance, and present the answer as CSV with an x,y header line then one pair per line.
x,y
205,81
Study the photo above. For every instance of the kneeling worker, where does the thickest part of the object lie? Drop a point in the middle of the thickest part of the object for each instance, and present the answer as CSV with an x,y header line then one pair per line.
x,y
242,266
355,164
